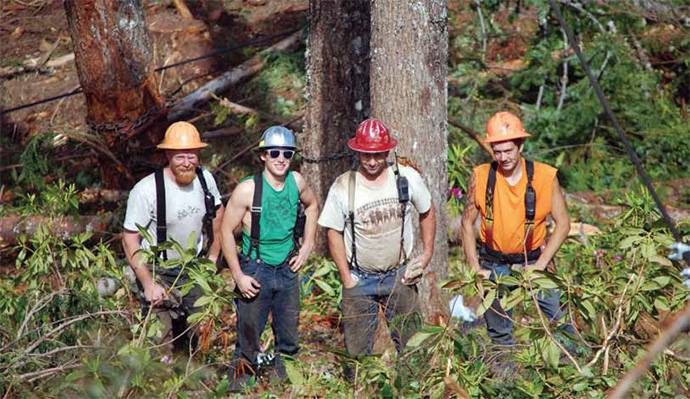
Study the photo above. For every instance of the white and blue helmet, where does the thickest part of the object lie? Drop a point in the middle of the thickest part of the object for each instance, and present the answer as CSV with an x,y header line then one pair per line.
x,y
277,136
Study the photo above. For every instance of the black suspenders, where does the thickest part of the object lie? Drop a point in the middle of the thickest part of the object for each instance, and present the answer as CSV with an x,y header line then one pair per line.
x,y
403,189
255,232
351,215
530,203
161,221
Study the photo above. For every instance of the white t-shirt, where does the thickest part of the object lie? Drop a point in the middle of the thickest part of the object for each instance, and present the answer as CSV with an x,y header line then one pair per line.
x,y
184,211
377,217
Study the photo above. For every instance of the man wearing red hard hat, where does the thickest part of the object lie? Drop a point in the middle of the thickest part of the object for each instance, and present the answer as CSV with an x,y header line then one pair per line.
x,y
368,217
513,196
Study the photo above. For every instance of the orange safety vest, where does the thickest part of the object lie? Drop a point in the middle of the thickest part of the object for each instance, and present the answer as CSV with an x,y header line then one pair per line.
x,y
507,231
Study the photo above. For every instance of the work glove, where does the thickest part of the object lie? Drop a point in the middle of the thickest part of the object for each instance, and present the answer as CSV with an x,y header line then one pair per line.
x,y
413,272
686,273
460,311
680,249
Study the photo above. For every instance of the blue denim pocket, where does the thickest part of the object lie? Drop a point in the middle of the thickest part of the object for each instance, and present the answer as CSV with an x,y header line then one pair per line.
x,y
248,266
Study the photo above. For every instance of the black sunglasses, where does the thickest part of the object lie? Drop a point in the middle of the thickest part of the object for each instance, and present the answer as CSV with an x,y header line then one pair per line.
x,y
287,154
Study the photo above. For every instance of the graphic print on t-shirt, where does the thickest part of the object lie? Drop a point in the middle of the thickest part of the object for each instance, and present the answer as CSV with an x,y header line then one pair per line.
x,y
190,210
380,216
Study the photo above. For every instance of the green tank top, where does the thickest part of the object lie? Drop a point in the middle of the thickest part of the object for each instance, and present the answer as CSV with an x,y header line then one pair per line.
x,y
278,215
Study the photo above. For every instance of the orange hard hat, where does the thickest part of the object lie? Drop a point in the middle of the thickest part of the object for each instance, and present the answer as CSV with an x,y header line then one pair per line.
x,y
181,136
504,126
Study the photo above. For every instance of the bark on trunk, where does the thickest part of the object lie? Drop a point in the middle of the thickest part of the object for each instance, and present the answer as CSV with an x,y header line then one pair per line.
x,y
113,56
409,47
337,88
12,226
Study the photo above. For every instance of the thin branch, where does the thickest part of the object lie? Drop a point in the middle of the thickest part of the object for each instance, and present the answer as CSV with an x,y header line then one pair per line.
x,y
680,323
68,323
35,375
482,25
619,310
540,95
473,135
542,319
40,304
564,78
578,7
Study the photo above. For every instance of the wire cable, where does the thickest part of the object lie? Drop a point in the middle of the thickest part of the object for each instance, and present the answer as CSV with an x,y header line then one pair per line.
x,y
248,43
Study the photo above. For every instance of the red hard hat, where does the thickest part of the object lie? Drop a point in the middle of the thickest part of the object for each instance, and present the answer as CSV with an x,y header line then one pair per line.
x,y
372,136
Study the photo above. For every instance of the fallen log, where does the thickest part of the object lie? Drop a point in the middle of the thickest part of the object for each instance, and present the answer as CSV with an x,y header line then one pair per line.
x,y
229,78
12,226
95,195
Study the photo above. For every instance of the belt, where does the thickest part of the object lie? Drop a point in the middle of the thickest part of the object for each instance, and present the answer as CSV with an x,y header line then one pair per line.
x,y
493,256
376,274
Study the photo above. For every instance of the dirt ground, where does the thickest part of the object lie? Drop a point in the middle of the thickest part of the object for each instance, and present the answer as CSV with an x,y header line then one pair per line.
x,y
34,32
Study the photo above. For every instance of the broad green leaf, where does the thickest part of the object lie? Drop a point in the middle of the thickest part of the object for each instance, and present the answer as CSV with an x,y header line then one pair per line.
x,y
628,242
419,338
293,373
553,354
545,283
486,303
203,301
509,301
661,303
663,281
321,271
650,286
591,313
509,281
661,260
325,287
196,317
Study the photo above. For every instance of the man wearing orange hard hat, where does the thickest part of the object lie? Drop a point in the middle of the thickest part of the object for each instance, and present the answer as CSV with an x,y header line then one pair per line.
x,y
513,196
179,203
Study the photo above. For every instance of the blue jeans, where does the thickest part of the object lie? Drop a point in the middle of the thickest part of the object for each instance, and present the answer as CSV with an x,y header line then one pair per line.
x,y
499,324
279,294
361,305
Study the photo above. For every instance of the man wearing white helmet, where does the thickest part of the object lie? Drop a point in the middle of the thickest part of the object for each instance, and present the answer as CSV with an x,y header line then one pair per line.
x,y
179,202
267,206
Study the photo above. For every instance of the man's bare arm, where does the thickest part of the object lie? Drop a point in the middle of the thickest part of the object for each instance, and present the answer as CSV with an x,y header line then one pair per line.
x,y
469,217
561,220
131,243
214,249
238,205
336,246
311,211
427,227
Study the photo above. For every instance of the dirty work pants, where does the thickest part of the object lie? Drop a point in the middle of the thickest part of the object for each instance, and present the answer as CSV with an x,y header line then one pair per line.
x,y
173,313
361,305
499,325
279,295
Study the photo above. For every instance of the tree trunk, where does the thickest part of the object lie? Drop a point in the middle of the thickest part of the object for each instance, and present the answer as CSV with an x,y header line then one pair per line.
x,y
337,88
113,56
409,50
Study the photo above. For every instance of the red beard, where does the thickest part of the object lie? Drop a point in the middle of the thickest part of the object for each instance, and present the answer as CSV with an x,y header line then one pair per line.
x,y
184,176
